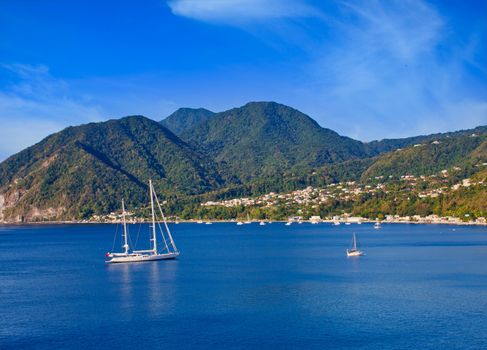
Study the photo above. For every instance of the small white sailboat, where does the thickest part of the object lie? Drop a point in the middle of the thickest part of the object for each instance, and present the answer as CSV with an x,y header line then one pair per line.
x,y
377,225
262,223
208,223
170,251
354,251
348,223
199,221
289,223
239,223
336,223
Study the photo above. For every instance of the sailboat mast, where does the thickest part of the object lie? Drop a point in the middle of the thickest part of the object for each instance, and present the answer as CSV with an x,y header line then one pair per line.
x,y
165,224
154,239
125,245
354,242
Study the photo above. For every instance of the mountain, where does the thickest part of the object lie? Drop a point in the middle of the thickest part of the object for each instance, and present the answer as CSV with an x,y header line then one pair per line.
x,y
386,145
89,168
258,148
186,118
262,139
463,150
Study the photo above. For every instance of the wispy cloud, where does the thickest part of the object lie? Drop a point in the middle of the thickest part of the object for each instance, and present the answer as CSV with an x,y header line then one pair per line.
x,y
379,63
35,104
241,11
388,66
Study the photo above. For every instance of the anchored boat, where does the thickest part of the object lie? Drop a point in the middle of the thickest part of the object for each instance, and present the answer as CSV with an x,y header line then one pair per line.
x,y
354,251
169,250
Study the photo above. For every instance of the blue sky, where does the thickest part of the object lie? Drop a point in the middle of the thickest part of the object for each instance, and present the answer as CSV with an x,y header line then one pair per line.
x,y
366,69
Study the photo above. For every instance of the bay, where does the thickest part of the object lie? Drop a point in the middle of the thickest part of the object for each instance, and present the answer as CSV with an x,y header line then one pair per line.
x,y
246,287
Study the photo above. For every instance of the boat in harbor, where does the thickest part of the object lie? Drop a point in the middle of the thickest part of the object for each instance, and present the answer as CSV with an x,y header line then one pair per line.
x,y
288,223
239,223
354,251
262,223
168,251
377,225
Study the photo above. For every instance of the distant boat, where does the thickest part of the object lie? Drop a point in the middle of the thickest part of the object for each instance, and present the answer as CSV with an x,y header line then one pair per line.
x,y
354,251
170,251
300,222
199,221
208,223
288,223
262,223
336,223
377,225
348,223
239,223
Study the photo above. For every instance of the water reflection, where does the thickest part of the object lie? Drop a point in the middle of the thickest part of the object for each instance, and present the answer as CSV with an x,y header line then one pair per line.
x,y
161,287
144,287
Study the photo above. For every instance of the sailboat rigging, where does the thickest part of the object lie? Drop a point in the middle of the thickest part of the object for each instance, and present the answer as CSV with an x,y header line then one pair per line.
x,y
354,251
170,251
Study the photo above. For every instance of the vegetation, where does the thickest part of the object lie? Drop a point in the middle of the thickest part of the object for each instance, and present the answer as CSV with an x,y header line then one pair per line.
x,y
186,118
244,152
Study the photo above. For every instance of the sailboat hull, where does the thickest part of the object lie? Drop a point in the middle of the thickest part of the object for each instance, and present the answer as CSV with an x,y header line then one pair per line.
x,y
354,253
131,258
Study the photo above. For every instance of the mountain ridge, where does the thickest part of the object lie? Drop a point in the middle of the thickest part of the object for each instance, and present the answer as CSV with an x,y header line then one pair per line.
x,y
256,148
184,118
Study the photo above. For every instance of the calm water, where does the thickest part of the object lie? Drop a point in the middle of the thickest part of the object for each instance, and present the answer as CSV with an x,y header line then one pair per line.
x,y
243,287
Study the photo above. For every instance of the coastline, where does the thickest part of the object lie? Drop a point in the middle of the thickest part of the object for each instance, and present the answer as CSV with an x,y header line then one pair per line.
x,y
75,222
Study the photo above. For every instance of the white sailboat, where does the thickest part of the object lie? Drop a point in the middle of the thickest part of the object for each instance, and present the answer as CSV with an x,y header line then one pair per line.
x,y
354,251
377,225
262,223
170,251
239,223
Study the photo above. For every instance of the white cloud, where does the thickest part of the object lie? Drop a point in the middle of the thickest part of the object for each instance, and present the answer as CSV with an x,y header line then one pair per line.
x,y
36,105
384,70
239,11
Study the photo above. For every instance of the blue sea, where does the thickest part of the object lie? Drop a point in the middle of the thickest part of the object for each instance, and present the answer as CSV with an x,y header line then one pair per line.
x,y
246,287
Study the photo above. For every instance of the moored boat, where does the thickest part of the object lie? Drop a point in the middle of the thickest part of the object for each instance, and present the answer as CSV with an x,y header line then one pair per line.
x,y
354,251
169,251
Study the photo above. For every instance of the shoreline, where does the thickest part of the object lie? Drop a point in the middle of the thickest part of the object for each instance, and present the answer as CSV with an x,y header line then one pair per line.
x,y
235,221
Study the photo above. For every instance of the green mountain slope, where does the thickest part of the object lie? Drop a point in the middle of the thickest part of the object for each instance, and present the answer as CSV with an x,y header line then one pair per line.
x,y
264,139
258,148
432,156
186,118
386,145
88,169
